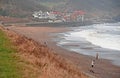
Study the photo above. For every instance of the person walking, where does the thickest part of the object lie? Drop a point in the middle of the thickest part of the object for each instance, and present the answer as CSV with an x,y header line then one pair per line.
x,y
97,56
92,66
92,63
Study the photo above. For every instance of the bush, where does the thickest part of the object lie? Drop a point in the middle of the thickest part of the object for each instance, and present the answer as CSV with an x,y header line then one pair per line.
x,y
3,12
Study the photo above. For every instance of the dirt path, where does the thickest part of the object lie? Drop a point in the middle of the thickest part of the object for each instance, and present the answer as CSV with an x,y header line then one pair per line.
x,y
103,68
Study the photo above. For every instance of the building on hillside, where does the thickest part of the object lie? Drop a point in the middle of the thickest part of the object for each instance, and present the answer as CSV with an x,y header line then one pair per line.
x,y
56,16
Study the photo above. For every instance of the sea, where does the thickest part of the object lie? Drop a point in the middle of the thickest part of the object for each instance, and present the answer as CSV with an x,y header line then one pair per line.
x,y
103,39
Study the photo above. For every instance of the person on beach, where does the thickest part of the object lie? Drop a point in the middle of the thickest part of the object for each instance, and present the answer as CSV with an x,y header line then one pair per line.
x,y
45,43
92,63
97,56
92,66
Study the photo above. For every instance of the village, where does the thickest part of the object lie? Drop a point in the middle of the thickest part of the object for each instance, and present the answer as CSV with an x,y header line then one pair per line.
x,y
57,16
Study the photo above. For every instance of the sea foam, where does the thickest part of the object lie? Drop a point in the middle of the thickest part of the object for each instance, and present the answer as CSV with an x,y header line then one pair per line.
x,y
103,35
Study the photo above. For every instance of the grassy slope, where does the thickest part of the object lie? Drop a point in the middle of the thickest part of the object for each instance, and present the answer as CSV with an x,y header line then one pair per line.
x,y
35,60
8,63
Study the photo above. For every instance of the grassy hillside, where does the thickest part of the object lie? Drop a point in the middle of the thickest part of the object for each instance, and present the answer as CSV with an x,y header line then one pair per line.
x,y
36,60
8,63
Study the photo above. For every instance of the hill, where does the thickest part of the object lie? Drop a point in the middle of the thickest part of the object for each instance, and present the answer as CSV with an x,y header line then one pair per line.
x,y
93,8
19,8
35,60
97,7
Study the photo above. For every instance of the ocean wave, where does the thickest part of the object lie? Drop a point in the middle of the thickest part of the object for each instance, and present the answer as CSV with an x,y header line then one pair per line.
x,y
103,35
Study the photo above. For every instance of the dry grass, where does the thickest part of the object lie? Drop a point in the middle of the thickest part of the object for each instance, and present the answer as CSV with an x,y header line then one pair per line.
x,y
39,61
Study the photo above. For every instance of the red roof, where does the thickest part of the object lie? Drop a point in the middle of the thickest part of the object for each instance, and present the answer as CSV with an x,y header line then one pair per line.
x,y
56,12
79,12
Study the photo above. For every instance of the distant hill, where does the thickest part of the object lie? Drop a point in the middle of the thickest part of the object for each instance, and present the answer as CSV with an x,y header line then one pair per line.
x,y
93,8
96,6
51,0
19,8
102,8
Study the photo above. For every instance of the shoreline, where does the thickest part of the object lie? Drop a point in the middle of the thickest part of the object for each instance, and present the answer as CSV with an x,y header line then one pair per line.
x,y
104,69
66,41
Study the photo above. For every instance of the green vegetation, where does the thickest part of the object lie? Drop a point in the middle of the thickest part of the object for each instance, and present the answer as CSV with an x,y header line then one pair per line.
x,y
3,12
8,62
52,4
7,13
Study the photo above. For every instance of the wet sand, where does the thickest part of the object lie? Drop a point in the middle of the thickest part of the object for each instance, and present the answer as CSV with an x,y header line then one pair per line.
x,y
103,68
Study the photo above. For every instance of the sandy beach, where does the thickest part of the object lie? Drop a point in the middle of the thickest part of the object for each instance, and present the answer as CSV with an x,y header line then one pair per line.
x,y
103,68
